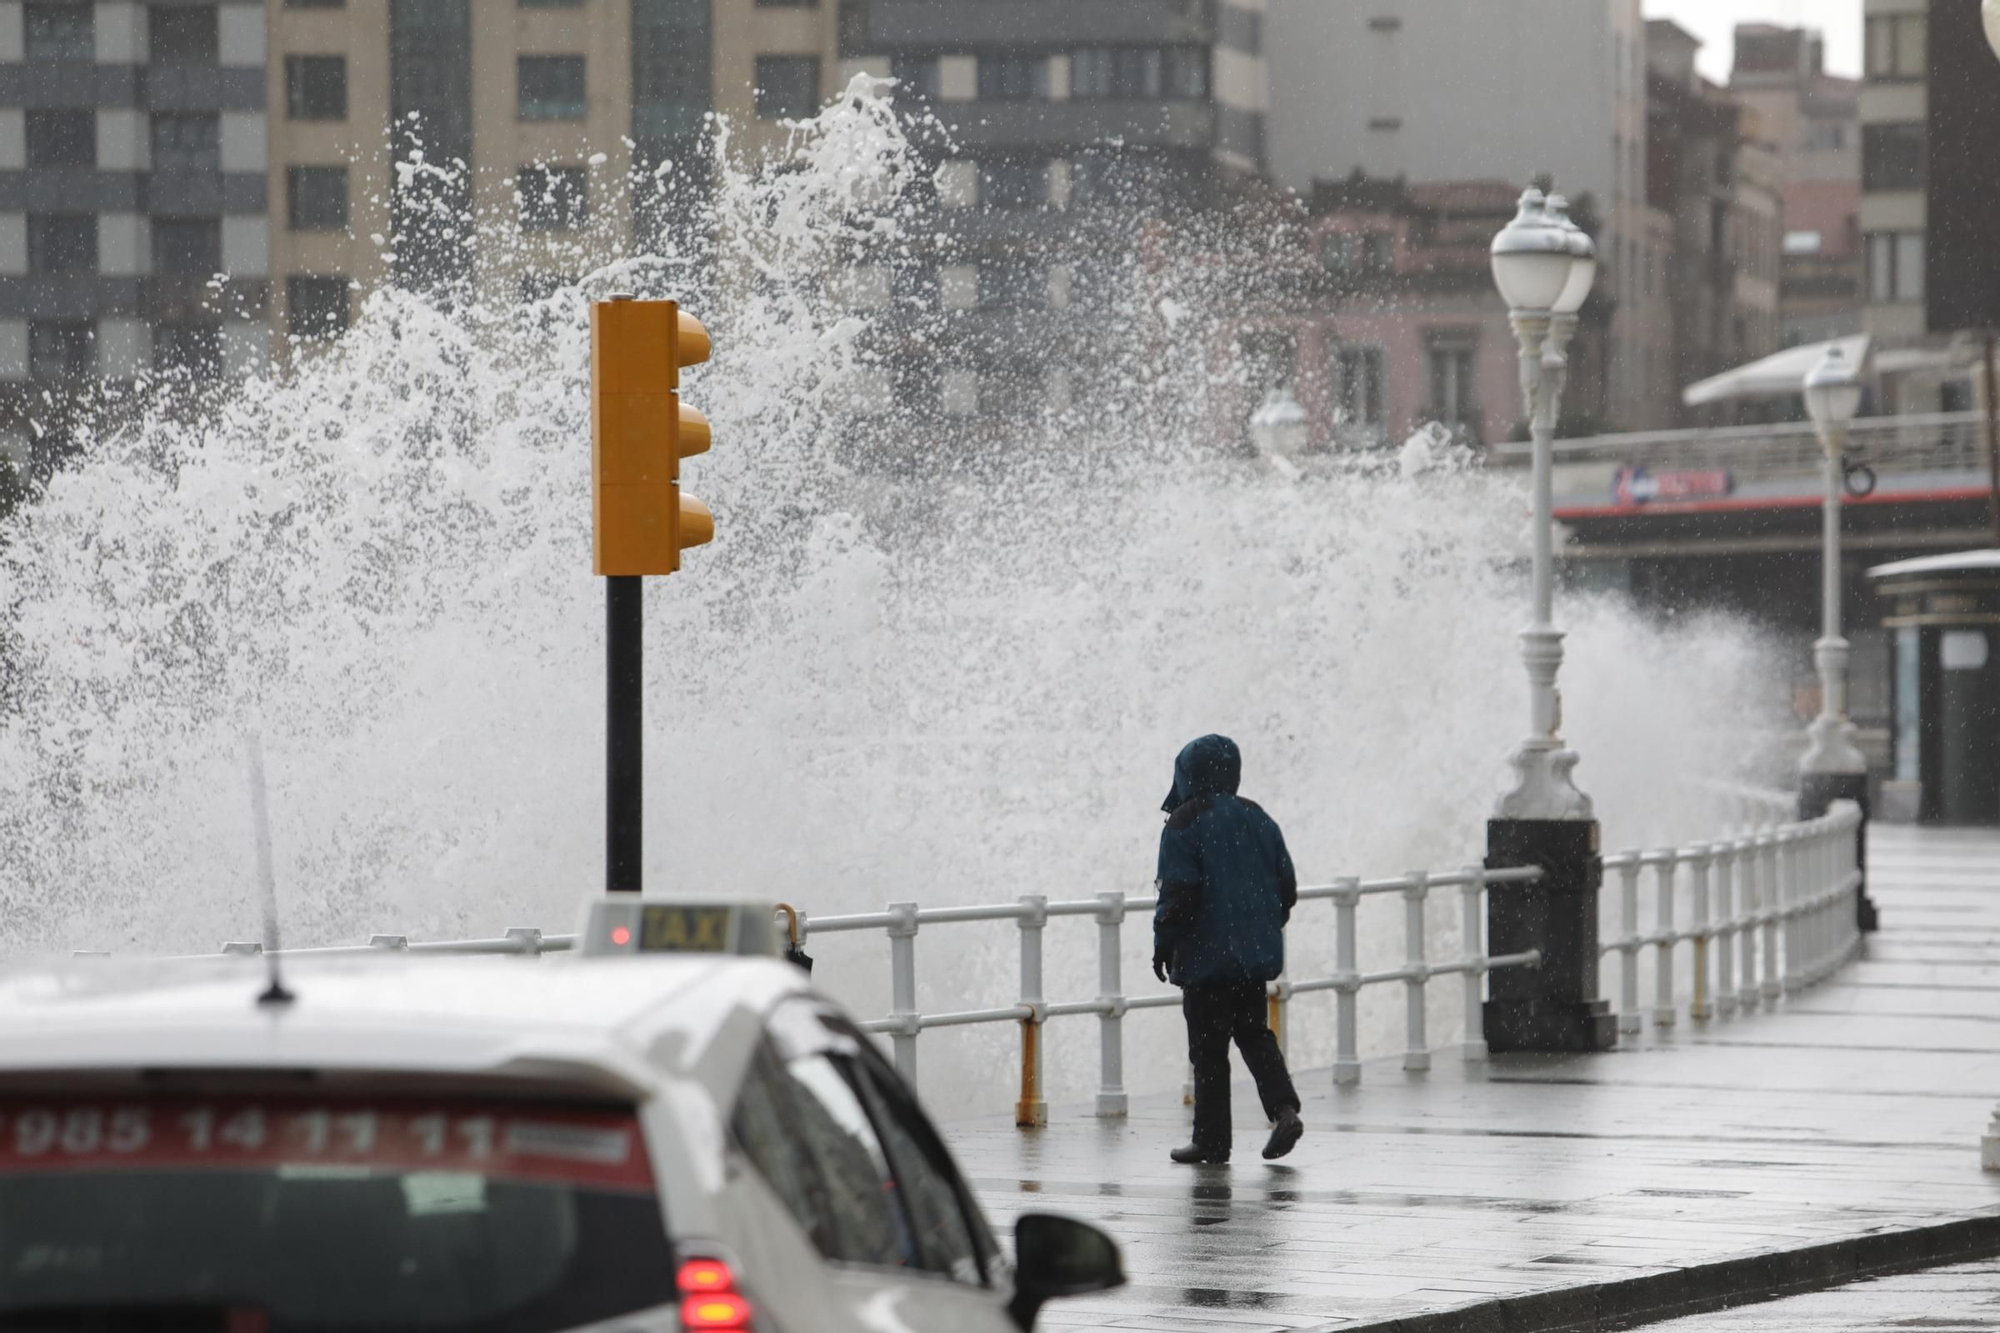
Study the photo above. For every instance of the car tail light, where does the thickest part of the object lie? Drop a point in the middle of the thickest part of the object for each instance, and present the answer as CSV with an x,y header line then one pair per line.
x,y
709,1299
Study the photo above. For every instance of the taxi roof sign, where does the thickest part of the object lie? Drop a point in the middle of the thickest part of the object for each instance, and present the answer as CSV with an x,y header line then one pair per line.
x,y
630,926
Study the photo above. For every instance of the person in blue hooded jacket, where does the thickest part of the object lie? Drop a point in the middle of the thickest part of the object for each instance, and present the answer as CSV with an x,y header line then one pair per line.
x,y
1227,889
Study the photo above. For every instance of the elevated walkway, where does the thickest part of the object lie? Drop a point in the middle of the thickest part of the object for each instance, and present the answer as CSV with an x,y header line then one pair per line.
x,y
1833,1133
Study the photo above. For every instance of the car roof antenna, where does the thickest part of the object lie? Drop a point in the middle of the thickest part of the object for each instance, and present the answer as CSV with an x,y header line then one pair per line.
x,y
267,880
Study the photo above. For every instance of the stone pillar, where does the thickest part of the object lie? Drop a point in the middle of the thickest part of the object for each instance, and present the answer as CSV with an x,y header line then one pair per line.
x,y
1553,1007
1817,793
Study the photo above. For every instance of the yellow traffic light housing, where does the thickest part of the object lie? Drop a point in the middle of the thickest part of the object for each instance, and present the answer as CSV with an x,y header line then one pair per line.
x,y
639,432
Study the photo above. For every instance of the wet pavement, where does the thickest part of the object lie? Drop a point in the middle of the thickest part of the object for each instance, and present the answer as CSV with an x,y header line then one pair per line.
x,y
1944,1300
1852,1111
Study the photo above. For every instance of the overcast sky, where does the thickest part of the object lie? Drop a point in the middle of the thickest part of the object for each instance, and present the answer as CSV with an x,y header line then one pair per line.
x,y
1713,21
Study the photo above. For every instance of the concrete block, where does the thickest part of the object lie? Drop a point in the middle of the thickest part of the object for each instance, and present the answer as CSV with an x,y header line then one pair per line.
x,y
240,35
124,139
13,349
124,348
246,347
13,243
246,246
13,32
245,141
958,78
124,244
121,32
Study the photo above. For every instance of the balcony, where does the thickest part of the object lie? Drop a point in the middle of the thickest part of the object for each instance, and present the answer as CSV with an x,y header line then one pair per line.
x,y
1912,457
894,25
1052,127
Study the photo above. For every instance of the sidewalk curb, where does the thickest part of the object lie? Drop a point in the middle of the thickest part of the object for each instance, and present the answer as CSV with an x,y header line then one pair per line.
x,y
1699,1288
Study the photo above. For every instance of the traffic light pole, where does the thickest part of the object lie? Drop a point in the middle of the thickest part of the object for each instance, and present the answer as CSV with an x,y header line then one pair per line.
x,y
624,737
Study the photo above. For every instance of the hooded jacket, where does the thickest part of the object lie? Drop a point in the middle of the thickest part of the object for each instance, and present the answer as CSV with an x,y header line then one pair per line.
x,y
1226,882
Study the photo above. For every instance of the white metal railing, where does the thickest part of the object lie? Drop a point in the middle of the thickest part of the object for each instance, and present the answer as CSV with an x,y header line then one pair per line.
x,y
1771,912
1933,442
1111,909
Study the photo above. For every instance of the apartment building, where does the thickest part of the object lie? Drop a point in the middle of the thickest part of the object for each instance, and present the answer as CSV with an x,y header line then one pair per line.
x,y
132,172
1894,211
188,187
1458,90
1068,122
1811,120
1719,179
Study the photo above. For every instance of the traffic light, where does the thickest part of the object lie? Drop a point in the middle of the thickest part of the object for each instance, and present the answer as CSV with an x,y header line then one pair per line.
x,y
640,432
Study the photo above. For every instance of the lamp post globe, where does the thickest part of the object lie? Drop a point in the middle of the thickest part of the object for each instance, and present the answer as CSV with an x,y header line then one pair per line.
x,y
1280,427
1991,11
1833,392
1531,257
1582,260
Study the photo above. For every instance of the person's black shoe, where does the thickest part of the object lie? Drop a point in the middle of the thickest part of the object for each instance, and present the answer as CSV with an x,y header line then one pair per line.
x,y
1284,1135
1196,1155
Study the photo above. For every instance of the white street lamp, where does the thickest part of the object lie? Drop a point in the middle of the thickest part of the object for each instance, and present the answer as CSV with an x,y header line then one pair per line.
x,y
1543,265
1280,427
1833,396
1992,12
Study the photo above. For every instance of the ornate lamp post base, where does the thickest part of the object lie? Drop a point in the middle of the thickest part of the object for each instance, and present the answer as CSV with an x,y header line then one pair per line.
x,y
1553,1007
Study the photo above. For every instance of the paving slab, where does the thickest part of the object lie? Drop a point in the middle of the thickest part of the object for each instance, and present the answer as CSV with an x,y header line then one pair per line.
x,y
1828,1135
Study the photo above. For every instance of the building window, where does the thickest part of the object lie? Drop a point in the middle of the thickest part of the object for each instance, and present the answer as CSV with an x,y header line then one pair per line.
x,y
189,352
61,349
187,141
1361,386
1139,73
552,198
62,243
1892,156
1013,78
1013,282
188,246
316,87
551,4
182,34
315,4
1454,380
550,88
316,198
62,138
916,76
1350,253
787,87
1896,46
1895,266
1013,183
315,307
788,4
59,32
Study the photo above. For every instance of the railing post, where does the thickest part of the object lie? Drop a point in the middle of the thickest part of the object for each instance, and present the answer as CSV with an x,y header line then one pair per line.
x,y
1347,990
1473,1047
903,987
1111,1100
1772,987
1628,947
1664,1009
1416,1045
1699,1009
1031,1111
1748,861
1725,929
1794,858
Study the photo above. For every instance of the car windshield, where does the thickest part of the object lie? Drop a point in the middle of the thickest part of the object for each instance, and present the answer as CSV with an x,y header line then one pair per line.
x,y
262,1214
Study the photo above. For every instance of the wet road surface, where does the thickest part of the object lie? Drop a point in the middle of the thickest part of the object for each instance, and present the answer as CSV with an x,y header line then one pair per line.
x,y
1855,1108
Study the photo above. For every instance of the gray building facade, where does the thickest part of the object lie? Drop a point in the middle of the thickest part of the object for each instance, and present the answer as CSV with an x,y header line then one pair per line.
x,y
133,143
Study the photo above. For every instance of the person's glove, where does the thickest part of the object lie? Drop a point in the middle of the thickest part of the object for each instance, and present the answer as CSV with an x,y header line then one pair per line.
x,y
1160,966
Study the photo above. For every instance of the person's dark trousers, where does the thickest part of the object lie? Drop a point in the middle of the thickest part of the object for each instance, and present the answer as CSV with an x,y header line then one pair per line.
x,y
1217,1014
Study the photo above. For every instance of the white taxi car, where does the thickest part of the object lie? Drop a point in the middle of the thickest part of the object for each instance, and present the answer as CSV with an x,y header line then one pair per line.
x,y
684,1140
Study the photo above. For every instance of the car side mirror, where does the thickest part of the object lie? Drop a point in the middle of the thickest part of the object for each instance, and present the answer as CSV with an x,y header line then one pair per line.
x,y
1059,1256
